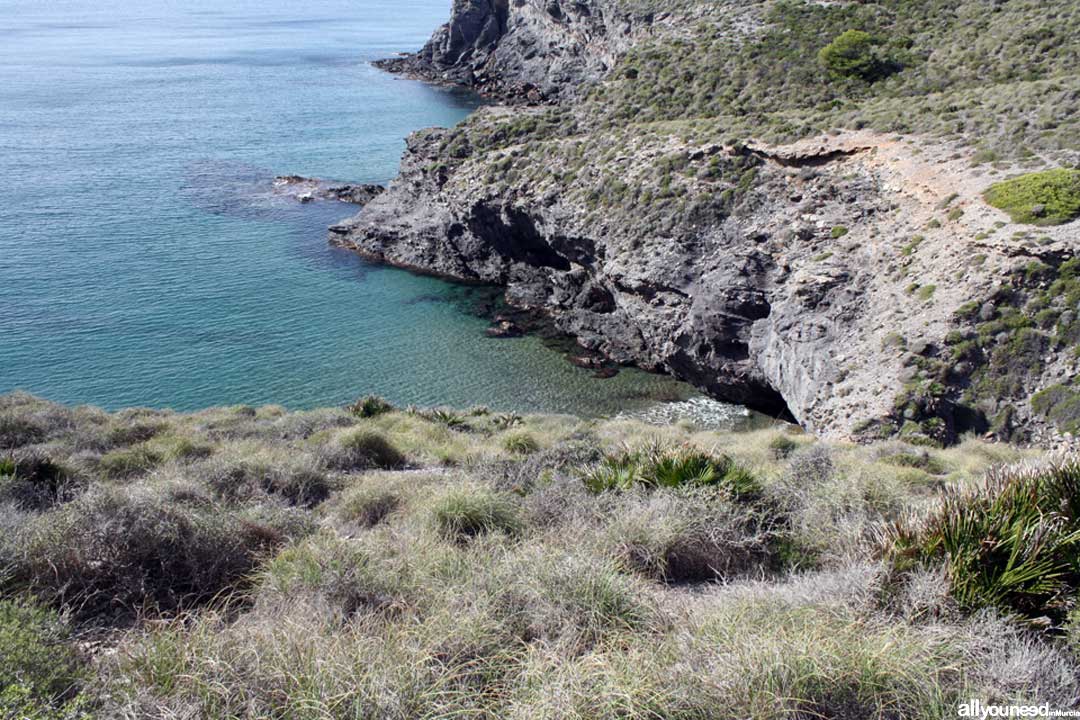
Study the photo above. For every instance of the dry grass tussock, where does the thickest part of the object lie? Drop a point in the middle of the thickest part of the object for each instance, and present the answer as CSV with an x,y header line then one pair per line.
x,y
380,563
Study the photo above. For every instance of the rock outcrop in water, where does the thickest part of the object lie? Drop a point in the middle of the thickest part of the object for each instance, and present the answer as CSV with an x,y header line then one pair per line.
x,y
307,189
854,279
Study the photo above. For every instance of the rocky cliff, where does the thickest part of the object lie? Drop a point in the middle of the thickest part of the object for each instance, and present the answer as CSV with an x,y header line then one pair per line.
x,y
526,50
695,196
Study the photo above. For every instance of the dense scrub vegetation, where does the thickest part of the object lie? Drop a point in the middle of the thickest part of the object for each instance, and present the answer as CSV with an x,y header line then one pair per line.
x,y
375,562
897,65
1051,197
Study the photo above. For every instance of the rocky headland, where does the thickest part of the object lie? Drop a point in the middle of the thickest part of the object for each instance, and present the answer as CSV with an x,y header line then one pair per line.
x,y
785,204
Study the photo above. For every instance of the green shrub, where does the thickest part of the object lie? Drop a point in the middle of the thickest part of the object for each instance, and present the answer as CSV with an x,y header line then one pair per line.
x,y
1050,197
467,512
657,465
370,406
855,55
838,232
37,660
1061,405
1013,545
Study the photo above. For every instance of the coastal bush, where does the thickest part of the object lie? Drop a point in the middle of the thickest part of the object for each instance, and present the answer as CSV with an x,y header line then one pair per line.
x,y
660,466
38,665
1061,405
370,406
113,551
855,54
1049,197
1013,544
467,512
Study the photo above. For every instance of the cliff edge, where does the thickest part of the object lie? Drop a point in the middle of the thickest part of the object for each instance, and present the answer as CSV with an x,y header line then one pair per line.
x,y
790,205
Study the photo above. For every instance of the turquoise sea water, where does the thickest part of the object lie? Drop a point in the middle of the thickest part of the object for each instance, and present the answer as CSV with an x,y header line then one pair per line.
x,y
143,260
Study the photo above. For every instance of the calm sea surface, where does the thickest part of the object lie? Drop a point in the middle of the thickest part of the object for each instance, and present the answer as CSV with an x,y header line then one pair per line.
x,y
143,260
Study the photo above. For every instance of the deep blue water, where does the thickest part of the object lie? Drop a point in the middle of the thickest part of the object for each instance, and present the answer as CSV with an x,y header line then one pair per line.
x,y
143,260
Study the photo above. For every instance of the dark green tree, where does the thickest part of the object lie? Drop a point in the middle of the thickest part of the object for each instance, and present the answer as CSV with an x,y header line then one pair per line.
x,y
855,54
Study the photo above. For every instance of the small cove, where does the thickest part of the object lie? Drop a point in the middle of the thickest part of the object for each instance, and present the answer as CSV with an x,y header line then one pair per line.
x,y
143,261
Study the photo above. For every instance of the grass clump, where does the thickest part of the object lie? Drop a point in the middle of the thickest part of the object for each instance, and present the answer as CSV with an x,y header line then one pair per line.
x,y
521,443
682,535
367,504
467,512
1013,545
1050,197
129,462
112,551
782,447
360,448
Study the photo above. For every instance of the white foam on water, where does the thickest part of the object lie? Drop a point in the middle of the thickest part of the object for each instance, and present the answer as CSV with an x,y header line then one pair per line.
x,y
702,412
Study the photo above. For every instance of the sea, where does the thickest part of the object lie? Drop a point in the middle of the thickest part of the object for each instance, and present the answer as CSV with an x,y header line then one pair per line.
x,y
145,259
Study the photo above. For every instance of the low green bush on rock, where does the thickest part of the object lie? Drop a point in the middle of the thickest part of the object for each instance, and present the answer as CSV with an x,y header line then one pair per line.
x,y
1050,197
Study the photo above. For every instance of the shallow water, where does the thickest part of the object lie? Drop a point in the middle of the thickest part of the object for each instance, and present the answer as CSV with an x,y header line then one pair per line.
x,y
144,262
